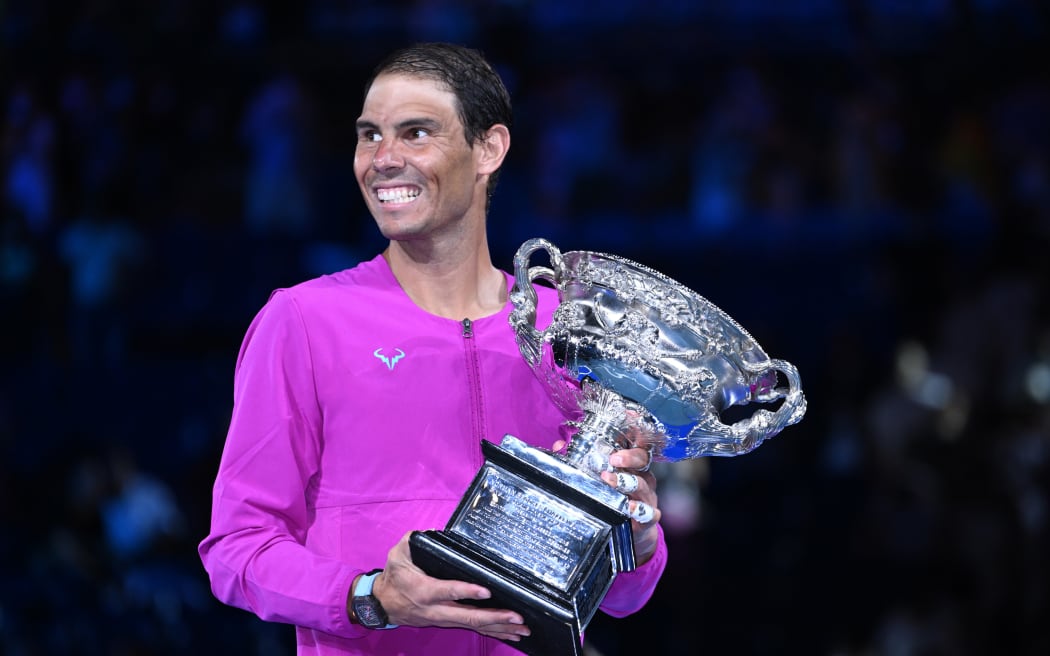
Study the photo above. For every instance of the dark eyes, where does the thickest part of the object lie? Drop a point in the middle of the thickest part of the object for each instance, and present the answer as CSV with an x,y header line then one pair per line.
x,y
410,134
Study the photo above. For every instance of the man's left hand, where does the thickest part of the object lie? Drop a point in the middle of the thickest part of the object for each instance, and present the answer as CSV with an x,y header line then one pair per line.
x,y
633,478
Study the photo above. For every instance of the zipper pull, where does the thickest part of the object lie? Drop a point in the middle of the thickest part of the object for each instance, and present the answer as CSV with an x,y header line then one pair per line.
x,y
468,328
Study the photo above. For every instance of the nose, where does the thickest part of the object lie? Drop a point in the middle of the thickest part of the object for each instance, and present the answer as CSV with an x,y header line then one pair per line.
x,y
386,157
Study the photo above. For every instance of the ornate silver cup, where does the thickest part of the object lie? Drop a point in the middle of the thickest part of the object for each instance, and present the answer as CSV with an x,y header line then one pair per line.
x,y
629,353
625,337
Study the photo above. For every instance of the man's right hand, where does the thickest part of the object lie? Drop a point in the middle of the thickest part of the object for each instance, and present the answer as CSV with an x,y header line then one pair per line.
x,y
412,598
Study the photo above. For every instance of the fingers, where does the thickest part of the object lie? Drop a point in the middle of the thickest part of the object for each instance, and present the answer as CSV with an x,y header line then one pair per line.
x,y
642,512
646,534
626,483
494,622
598,462
506,632
501,624
649,462
446,590
642,507
637,486
628,473
413,598
638,459
635,482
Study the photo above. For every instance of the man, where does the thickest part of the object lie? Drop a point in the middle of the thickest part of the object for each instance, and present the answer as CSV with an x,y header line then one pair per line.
x,y
361,397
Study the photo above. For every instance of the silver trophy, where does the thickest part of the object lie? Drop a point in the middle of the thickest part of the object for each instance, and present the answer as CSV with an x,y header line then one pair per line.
x,y
629,353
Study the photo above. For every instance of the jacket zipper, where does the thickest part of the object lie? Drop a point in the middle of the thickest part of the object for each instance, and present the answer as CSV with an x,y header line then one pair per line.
x,y
477,407
477,413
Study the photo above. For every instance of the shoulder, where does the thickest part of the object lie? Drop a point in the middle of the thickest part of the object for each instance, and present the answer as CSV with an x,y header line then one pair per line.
x,y
344,298
369,277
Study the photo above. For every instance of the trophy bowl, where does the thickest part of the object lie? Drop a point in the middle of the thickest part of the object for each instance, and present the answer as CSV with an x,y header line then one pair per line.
x,y
632,356
625,337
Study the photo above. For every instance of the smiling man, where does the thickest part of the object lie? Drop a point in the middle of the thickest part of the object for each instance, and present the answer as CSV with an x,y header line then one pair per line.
x,y
361,397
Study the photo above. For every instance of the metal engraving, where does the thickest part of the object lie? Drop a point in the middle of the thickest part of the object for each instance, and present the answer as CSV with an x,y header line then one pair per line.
x,y
527,527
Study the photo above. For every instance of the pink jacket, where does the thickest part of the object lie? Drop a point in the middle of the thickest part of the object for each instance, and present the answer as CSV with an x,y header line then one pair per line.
x,y
358,417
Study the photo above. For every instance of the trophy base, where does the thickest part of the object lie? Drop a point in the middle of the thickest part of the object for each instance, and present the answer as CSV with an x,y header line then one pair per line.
x,y
555,630
545,538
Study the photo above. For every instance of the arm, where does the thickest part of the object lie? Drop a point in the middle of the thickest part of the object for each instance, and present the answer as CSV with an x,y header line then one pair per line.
x,y
255,554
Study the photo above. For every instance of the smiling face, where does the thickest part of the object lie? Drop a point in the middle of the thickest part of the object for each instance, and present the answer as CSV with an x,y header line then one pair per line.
x,y
418,175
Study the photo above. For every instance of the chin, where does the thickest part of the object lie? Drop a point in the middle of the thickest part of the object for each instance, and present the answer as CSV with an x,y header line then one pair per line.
x,y
400,233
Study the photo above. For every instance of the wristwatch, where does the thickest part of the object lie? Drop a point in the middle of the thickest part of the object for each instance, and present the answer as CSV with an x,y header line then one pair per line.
x,y
364,606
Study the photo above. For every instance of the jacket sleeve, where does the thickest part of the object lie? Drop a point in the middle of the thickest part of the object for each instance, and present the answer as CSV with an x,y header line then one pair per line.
x,y
631,590
255,554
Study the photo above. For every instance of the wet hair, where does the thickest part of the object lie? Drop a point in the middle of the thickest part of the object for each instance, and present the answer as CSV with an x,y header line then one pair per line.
x,y
481,98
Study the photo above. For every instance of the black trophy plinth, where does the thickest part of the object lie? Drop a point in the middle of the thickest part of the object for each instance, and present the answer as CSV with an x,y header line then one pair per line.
x,y
544,537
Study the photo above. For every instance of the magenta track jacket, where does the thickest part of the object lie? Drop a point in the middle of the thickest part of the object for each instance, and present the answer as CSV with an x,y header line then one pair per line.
x,y
357,417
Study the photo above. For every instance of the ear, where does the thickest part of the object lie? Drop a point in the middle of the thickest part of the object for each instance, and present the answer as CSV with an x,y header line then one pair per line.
x,y
492,148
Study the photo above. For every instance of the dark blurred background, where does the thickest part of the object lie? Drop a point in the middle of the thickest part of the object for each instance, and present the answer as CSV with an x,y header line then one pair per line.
x,y
864,185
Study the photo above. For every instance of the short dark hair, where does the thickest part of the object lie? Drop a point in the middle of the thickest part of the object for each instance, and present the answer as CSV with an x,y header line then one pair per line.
x,y
481,98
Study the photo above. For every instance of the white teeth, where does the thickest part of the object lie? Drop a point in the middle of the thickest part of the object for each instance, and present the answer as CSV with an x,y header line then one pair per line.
x,y
398,195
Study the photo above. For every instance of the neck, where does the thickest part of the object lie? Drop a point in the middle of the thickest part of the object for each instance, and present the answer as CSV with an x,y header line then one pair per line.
x,y
458,282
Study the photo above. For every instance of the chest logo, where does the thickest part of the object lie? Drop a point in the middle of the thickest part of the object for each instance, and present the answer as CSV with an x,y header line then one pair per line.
x,y
389,362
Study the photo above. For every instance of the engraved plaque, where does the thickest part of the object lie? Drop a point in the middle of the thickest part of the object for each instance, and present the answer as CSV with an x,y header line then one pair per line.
x,y
507,516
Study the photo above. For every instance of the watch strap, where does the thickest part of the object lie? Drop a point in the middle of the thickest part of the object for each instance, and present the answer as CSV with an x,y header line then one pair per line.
x,y
364,584
363,588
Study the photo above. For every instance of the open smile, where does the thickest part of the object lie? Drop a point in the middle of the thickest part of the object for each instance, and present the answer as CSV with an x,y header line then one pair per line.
x,y
397,195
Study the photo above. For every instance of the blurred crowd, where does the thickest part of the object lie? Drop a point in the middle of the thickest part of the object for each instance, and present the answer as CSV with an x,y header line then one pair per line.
x,y
865,186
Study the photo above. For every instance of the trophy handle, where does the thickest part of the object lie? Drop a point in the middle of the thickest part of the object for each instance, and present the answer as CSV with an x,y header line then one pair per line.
x,y
523,295
746,434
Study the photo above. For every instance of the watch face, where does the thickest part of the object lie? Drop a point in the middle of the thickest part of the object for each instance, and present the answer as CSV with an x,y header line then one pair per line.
x,y
368,612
